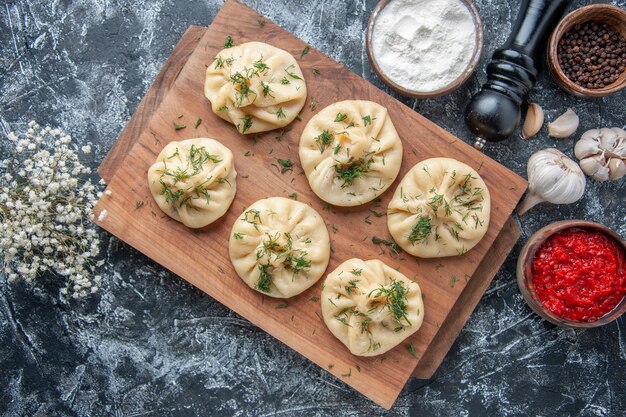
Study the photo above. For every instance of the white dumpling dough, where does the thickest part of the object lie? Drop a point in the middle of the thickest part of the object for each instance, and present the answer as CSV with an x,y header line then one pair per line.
x,y
194,181
370,307
350,152
255,86
440,208
279,247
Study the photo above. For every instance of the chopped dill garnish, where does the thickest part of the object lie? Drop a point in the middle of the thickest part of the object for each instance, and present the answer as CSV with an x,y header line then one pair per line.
x,y
351,286
228,42
247,123
139,204
324,140
392,297
292,74
411,349
179,126
367,120
293,196
253,217
341,117
280,114
238,235
315,71
452,281
420,230
261,22
265,279
352,171
376,213
304,51
222,108
284,81
260,66
198,122
356,271
286,165
266,90
312,104
392,245
348,374
282,305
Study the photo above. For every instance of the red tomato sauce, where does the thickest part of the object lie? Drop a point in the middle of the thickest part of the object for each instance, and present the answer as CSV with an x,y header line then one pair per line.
x,y
579,274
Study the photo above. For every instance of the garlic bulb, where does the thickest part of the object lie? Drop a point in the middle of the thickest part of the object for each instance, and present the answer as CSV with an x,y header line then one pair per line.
x,y
533,121
564,126
602,153
552,177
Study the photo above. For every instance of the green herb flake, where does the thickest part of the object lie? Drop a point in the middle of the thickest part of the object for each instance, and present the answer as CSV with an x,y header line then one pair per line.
x,y
420,231
367,120
286,165
198,123
247,124
139,204
341,117
315,71
280,114
282,305
324,140
334,227
228,42
315,298
304,51
293,196
179,126
349,373
392,245
261,22
238,235
265,279
452,281
312,104
292,74
411,349
248,153
358,368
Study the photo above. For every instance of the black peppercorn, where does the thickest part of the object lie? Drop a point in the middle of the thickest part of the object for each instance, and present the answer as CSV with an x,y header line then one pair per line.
x,y
592,54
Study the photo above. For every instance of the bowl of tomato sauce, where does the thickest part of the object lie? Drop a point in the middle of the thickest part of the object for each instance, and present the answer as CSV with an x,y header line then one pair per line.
x,y
572,273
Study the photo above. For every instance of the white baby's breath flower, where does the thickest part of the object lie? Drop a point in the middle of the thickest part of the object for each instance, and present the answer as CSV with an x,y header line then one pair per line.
x,y
44,201
102,215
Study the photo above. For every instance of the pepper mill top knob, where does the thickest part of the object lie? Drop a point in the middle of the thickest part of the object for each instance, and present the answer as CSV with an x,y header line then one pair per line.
x,y
492,116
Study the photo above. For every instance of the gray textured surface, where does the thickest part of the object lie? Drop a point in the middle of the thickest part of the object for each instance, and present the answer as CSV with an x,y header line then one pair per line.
x,y
150,344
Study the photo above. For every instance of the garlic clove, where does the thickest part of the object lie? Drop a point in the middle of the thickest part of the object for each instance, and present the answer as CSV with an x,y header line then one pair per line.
x,y
594,167
617,168
608,139
591,134
564,126
533,121
621,133
587,146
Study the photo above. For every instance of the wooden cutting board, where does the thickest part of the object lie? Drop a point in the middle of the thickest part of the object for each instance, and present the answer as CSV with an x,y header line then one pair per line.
x,y
453,286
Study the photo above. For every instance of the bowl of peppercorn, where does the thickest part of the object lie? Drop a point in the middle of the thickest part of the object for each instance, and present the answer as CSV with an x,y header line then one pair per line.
x,y
587,51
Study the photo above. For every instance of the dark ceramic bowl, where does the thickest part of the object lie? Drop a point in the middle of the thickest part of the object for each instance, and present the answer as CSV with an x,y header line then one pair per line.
x,y
453,85
525,281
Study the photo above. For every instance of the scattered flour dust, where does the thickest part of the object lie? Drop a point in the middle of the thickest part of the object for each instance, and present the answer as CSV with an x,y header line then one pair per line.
x,y
423,45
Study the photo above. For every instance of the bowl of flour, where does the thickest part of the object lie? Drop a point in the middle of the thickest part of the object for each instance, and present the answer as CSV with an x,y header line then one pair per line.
x,y
424,48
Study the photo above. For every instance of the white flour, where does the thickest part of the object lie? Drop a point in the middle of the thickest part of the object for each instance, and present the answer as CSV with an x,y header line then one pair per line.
x,y
423,45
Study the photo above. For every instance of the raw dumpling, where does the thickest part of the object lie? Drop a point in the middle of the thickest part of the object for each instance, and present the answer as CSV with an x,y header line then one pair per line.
x,y
350,152
440,208
194,181
370,306
255,86
279,247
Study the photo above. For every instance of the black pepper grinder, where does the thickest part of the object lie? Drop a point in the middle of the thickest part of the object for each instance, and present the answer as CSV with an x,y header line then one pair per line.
x,y
495,111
